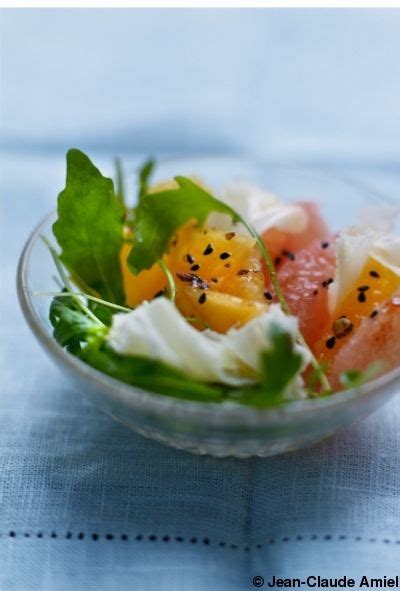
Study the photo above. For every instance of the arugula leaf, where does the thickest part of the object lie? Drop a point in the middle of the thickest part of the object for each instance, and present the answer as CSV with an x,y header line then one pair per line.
x,y
89,228
149,374
159,216
85,339
71,326
280,364
145,173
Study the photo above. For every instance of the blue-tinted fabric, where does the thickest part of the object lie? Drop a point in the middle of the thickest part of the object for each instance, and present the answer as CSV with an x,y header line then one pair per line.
x,y
88,505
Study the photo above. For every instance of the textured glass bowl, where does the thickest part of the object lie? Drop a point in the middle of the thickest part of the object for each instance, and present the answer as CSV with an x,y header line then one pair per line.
x,y
226,429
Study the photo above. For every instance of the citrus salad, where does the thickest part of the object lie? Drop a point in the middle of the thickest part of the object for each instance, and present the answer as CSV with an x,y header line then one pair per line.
x,y
235,297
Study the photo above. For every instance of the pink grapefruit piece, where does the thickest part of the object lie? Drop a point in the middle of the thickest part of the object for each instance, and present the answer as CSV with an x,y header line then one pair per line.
x,y
377,339
278,241
304,282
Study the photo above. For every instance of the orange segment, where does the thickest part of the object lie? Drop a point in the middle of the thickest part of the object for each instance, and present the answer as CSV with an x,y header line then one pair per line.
x,y
223,265
143,286
376,284
219,311
212,254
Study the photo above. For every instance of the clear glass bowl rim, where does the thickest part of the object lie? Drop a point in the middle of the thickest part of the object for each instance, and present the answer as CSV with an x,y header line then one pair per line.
x,y
224,415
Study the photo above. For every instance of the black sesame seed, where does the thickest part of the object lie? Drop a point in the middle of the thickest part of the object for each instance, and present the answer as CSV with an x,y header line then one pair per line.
x,y
324,244
362,297
331,342
363,288
208,249
327,282
243,272
374,313
189,258
214,279
202,298
224,255
227,265
230,235
268,295
289,255
374,274
278,260
195,267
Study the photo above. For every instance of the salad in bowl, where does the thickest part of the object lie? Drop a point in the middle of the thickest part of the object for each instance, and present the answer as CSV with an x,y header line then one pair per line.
x,y
231,302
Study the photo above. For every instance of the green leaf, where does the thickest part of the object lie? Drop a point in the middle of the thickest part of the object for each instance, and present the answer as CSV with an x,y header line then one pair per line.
x,y
145,173
71,326
159,216
148,374
281,363
89,228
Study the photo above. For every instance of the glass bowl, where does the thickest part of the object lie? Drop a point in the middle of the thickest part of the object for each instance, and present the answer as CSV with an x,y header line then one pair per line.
x,y
217,429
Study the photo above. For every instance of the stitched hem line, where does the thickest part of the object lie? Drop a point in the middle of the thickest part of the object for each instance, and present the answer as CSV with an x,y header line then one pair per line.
x,y
95,537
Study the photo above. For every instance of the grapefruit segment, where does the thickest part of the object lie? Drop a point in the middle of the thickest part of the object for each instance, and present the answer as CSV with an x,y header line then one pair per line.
x,y
376,339
278,241
304,281
374,286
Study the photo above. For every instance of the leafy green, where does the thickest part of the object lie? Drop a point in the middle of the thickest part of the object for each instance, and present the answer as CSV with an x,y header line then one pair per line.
x,y
81,336
71,326
148,374
103,312
280,365
159,216
145,173
89,228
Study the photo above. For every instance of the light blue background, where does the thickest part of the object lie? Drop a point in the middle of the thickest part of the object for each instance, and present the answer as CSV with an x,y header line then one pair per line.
x,y
321,84
316,86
